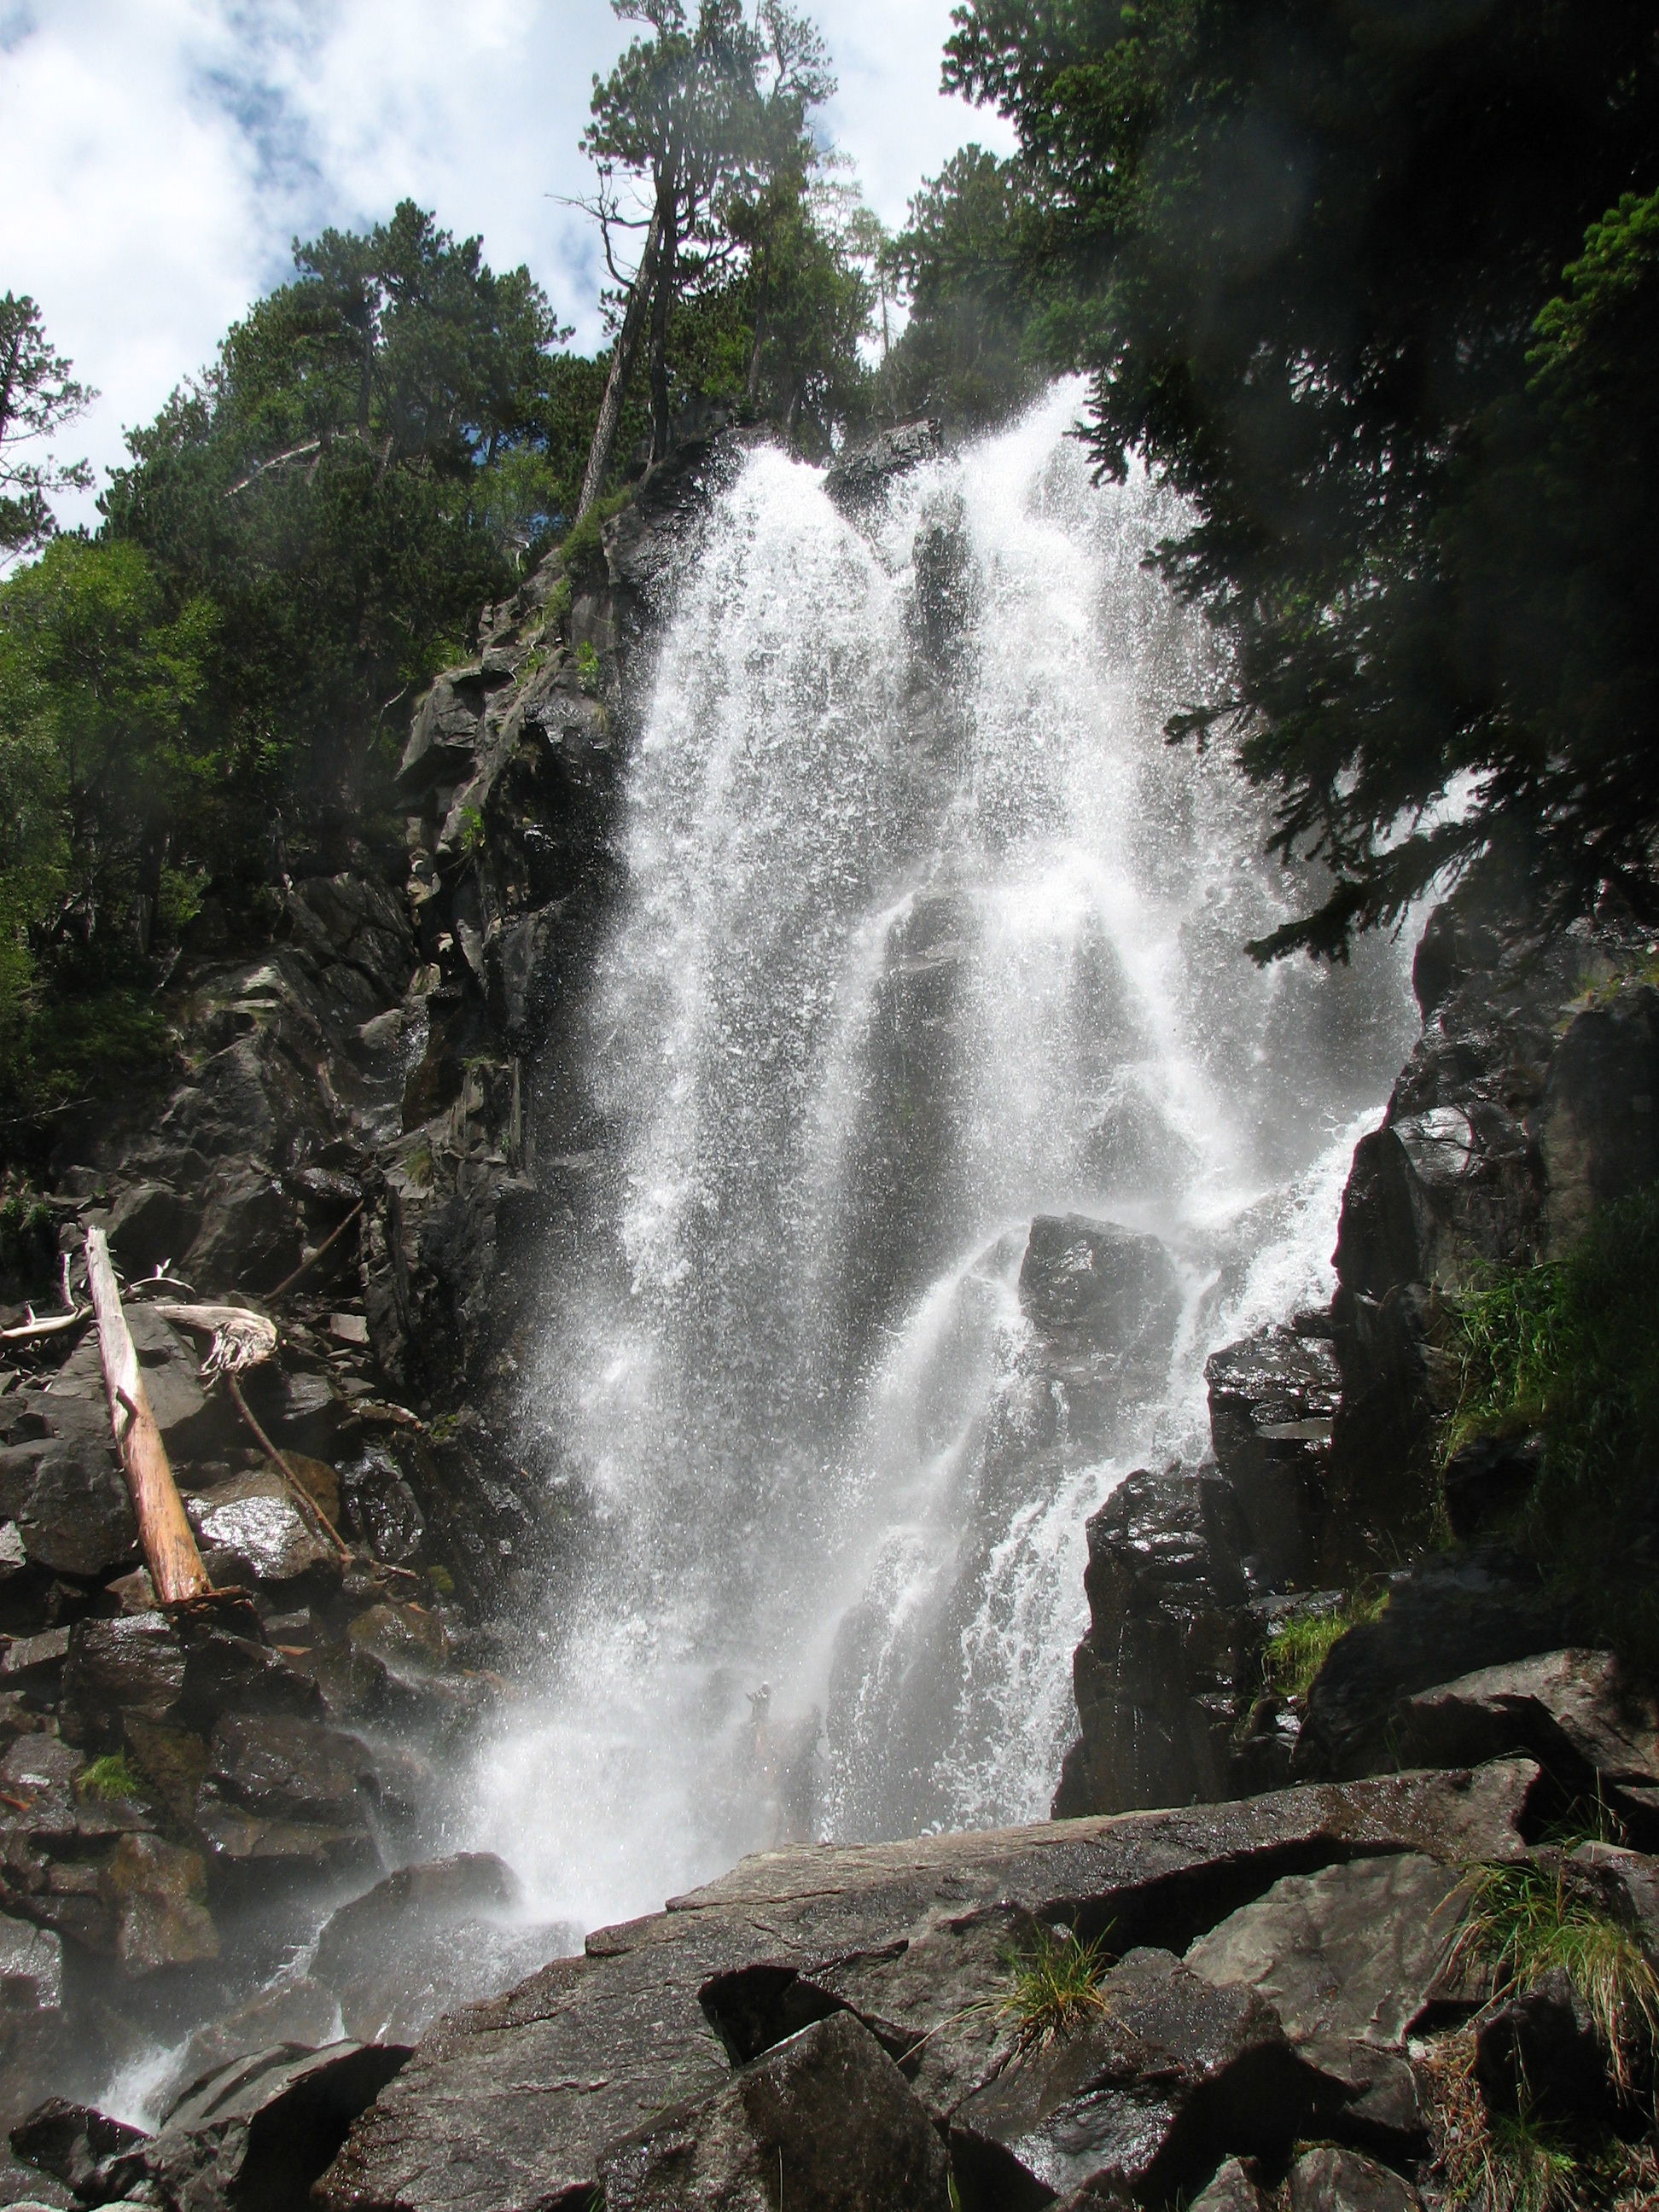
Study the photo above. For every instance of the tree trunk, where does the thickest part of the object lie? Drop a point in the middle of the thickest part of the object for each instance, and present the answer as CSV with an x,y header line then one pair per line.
x,y
621,368
170,1553
661,306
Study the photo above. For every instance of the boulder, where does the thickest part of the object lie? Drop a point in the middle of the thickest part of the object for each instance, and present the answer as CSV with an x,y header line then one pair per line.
x,y
859,480
33,2037
1168,1660
1540,2045
95,2156
1171,2074
824,2122
1451,1614
27,2185
295,2010
254,2137
130,1667
1349,1958
1272,1397
1597,1130
77,1518
1104,1300
1572,1710
254,1518
287,1768
1326,2179
1231,2190
430,1938
924,1998
157,1893
381,1508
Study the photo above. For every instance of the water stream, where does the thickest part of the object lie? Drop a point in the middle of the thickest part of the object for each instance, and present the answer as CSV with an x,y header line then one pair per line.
x,y
927,932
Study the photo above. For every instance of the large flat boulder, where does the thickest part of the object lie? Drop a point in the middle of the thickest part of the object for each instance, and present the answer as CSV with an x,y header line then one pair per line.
x,y
1349,1958
513,2102
1572,1710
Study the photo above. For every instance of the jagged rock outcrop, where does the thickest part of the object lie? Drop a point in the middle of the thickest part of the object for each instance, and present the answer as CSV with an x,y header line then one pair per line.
x,y
524,2099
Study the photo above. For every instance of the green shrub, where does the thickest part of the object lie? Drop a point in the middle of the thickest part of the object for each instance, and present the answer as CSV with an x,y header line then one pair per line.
x,y
1570,1350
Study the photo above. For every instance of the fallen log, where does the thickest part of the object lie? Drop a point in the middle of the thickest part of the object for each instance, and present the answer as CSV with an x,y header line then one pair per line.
x,y
169,1546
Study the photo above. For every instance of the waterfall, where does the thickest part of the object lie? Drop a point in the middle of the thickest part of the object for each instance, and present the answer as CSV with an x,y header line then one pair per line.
x,y
927,933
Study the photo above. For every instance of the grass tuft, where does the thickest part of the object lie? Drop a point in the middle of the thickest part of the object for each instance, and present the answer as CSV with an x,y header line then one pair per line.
x,y
1300,1645
1524,1922
1053,1989
110,1779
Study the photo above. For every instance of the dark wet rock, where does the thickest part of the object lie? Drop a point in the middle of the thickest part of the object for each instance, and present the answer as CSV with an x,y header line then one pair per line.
x,y
1450,1615
227,1672
824,2122
34,2028
22,2185
254,1518
859,479
157,1894
1104,1300
297,2010
1598,1129
27,1658
1169,1656
381,1509
89,2153
1349,1958
1571,1710
1539,2046
31,1968
1453,1180
130,1667
430,1938
1326,2179
1171,2074
1272,1397
77,1518
253,2137
1231,2189
291,1769
515,2099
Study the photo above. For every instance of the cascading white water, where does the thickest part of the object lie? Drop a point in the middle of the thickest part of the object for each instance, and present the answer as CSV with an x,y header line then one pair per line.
x,y
927,932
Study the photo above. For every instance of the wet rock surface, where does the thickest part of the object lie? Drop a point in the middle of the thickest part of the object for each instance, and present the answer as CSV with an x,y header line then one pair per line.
x,y
518,2099
824,2122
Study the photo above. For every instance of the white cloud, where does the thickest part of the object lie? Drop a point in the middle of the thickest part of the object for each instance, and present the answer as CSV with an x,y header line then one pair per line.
x,y
161,153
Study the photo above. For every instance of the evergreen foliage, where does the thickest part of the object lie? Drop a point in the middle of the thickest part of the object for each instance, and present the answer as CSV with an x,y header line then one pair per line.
x,y
38,396
1374,286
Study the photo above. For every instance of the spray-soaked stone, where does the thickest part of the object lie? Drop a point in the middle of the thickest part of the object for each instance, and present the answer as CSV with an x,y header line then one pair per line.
x,y
824,2122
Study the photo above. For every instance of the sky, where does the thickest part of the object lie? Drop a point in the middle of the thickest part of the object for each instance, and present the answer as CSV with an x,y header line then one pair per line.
x,y
157,156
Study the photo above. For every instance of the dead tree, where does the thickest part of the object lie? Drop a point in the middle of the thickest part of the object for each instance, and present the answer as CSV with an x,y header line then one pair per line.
x,y
169,1546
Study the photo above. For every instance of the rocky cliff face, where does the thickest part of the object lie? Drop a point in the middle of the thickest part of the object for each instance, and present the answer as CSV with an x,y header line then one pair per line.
x,y
1528,1100
361,1132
